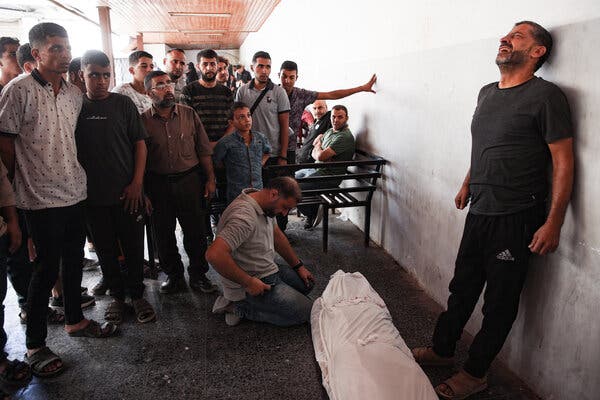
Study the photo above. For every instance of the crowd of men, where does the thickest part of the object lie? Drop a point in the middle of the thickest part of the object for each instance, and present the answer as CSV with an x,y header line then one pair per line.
x,y
78,159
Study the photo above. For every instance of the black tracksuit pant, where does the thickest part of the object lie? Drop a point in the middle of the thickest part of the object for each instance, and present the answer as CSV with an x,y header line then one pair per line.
x,y
493,252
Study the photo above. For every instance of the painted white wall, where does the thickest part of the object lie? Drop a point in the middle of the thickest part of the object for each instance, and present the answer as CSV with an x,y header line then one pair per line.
x,y
431,58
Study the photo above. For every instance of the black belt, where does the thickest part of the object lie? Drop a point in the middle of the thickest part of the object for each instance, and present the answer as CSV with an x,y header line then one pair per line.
x,y
178,175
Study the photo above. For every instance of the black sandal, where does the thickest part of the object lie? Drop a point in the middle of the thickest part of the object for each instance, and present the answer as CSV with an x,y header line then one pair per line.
x,y
114,312
53,317
40,360
15,368
143,311
95,330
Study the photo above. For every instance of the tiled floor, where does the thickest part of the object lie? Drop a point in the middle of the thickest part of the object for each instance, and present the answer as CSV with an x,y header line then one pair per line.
x,y
191,354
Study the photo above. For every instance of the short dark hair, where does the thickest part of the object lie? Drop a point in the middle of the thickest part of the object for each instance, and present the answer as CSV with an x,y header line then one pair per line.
x,y
221,59
236,106
290,66
260,54
176,49
6,41
24,55
206,53
286,186
541,37
39,34
95,57
148,78
340,107
134,57
75,65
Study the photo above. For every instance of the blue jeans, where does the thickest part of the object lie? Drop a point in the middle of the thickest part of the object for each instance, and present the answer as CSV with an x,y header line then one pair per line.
x,y
286,304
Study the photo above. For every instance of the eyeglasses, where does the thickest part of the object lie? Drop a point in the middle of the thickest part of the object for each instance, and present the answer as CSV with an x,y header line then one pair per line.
x,y
164,86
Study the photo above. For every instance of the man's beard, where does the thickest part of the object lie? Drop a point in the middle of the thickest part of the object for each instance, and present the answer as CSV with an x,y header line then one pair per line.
x,y
174,77
207,78
516,57
167,102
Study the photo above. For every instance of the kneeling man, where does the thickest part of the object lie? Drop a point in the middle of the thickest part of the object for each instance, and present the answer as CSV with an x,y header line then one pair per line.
x,y
254,287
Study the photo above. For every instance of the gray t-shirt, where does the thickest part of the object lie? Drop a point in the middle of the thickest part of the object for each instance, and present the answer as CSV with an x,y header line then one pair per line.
x,y
265,118
106,133
511,130
249,233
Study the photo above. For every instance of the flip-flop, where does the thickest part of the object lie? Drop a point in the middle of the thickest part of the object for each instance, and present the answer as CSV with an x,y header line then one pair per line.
x,y
462,385
94,330
42,358
13,369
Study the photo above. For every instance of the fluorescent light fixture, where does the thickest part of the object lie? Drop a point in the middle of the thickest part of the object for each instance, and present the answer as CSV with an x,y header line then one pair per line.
x,y
204,34
201,30
198,14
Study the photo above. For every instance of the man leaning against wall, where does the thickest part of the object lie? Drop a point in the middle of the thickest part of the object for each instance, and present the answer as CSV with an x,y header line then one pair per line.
x,y
520,125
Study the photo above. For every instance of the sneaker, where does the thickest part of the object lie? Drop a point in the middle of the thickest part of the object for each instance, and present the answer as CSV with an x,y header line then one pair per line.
x,y
308,224
89,264
232,319
86,301
100,289
221,305
203,284
173,285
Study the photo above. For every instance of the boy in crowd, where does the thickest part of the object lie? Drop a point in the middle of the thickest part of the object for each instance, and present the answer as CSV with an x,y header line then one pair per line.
x,y
243,153
111,142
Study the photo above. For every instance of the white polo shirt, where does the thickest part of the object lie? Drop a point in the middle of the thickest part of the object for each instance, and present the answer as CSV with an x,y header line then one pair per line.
x,y
47,172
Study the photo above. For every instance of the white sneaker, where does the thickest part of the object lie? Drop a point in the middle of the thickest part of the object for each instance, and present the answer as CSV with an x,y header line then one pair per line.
x,y
232,319
221,305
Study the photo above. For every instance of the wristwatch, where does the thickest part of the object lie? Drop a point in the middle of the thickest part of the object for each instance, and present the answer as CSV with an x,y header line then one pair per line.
x,y
300,264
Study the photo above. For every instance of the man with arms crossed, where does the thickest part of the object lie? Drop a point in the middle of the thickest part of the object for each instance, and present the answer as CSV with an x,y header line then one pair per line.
x,y
521,123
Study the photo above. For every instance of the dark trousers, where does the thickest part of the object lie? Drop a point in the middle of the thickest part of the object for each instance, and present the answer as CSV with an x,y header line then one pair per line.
x,y
4,242
282,220
494,252
115,229
311,210
18,266
59,236
179,198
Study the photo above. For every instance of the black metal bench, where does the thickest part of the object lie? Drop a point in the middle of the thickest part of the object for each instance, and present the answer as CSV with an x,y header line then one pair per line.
x,y
361,177
364,171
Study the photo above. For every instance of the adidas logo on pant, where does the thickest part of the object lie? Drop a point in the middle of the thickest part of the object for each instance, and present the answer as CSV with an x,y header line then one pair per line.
x,y
505,256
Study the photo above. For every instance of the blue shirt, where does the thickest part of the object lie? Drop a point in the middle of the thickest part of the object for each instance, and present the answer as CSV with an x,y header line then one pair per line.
x,y
243,163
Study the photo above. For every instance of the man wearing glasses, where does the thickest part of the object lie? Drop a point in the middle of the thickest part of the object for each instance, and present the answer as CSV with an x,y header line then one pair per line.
x,y
179,181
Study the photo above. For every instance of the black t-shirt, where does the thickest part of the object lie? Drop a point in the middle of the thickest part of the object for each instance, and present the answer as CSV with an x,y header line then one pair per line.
x,y
212,105
318,128
511,129
106,133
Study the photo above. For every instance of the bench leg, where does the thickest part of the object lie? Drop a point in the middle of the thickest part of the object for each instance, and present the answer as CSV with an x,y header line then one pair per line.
x,y
325,228
367,224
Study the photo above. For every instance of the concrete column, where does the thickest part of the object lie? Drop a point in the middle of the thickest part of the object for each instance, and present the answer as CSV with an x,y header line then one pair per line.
x,y
106,30
140,41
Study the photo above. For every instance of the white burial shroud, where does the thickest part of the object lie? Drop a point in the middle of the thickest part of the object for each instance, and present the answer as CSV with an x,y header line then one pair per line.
x,y
360,351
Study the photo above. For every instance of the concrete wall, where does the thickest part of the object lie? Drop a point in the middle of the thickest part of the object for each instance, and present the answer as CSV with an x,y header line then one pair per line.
x,y
431,58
